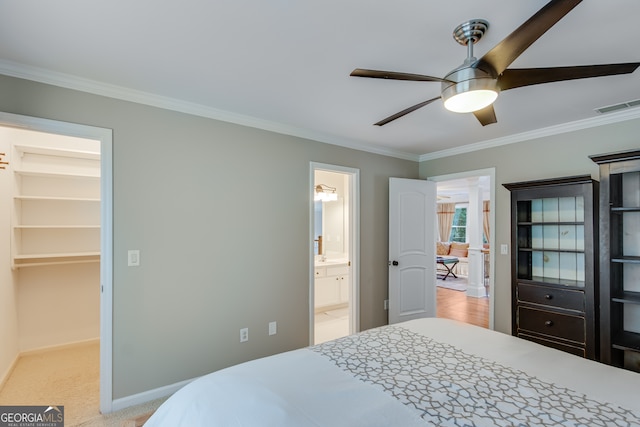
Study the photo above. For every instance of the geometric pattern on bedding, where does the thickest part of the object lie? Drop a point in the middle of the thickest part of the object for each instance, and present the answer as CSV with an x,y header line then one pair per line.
x,y
448,387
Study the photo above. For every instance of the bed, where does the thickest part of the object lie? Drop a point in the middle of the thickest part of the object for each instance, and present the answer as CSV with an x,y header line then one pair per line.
x,y
418,373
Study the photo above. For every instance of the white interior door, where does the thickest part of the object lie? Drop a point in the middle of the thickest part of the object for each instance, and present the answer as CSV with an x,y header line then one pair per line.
x,y
412,249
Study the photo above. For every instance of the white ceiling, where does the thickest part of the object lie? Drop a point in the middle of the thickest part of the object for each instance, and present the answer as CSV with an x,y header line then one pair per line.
x,y
284,65
457,190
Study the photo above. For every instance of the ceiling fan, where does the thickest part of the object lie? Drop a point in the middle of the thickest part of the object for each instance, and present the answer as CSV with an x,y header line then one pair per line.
x,y
474,86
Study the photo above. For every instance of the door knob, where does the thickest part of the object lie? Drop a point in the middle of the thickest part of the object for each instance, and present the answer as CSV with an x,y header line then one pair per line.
x,y
394,262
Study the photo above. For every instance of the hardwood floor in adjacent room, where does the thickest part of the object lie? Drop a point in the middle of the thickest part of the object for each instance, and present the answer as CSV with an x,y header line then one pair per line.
x,y
457,305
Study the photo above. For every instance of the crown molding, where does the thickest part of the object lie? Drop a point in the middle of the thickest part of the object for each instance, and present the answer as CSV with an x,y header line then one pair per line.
x,y
577,125
68,81
118,92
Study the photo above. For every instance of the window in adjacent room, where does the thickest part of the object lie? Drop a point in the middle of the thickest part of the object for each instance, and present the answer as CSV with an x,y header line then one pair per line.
x,y
459,226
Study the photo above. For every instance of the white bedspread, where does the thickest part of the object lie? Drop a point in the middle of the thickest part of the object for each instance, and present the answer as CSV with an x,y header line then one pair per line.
x,y
423,372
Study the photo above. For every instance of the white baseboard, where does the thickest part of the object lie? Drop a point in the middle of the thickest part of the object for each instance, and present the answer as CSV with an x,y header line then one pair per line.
x,y
148,396
476,290
46,349
7,374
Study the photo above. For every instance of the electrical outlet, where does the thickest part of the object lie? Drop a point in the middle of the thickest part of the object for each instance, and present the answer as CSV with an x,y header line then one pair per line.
x,y
244,334
133,258
273,328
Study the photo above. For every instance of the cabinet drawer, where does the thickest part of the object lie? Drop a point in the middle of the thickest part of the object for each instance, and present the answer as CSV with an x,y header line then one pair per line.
x,y
554,297
338,270
553,324
320,272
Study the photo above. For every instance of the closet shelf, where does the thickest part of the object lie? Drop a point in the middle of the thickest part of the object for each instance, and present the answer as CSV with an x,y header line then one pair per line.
x,y
35,260
58,152
56,174
59,255
56,226
57,198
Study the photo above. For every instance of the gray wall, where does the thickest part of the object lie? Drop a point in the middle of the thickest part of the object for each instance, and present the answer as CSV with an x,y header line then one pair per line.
x,y
220,213
549,157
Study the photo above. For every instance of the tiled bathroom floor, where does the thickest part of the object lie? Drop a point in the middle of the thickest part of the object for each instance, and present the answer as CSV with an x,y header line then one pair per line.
x,y
331,324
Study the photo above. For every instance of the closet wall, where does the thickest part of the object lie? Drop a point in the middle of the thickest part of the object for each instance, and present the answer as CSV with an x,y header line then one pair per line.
x,y
8,297
54,232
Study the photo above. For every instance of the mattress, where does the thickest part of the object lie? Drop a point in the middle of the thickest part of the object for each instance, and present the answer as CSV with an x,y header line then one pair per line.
x,y
419,373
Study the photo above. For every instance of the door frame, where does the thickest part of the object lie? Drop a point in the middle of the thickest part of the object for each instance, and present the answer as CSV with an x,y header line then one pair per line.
x,y
105,136
491,173
354,244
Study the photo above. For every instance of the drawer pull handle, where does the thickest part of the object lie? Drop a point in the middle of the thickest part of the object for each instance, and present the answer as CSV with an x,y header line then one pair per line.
x,y
548,323
548,296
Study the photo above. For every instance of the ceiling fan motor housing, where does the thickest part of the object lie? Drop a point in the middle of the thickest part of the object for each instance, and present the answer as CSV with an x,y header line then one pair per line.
x,y
467,79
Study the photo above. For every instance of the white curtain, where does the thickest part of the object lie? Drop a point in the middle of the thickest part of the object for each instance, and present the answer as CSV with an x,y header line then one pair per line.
x,y
446,211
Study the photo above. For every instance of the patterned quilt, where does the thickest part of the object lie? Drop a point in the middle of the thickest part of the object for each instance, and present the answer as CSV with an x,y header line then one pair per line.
x,y
448,387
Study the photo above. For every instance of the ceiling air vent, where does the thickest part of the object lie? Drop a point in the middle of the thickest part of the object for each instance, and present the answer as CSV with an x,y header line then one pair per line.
x,y
616,107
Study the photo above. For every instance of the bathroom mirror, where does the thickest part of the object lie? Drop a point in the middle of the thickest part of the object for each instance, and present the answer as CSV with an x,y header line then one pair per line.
x,y
333,227
329,222
331,216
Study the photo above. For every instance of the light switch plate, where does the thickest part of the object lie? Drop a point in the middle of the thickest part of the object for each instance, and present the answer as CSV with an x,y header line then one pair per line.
x,y
133,258
504,249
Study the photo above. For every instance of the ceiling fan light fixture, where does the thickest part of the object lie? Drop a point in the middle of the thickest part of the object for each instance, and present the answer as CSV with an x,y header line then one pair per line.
x,y
470,95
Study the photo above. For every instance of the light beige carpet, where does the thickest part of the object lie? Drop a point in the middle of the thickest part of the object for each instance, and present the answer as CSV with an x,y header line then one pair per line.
x,y
69,377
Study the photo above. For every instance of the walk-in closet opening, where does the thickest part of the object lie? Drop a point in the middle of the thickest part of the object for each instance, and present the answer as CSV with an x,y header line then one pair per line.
x,y
51,211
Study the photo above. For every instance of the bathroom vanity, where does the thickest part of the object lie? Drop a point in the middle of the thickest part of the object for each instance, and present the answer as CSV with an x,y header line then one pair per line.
x,y
331,284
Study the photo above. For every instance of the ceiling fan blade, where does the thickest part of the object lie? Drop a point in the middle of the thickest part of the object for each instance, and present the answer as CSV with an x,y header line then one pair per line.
x,y
405,112
514,78
505,52
392,75
486,116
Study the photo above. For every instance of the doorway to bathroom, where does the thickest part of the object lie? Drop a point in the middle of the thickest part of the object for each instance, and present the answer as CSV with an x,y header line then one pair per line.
x,y
334,254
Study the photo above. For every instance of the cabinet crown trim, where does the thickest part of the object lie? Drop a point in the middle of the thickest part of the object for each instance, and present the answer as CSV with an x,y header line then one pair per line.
x,y
578,179
615,157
